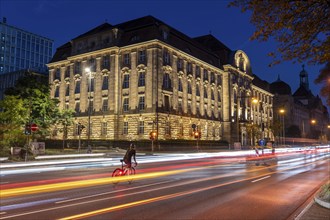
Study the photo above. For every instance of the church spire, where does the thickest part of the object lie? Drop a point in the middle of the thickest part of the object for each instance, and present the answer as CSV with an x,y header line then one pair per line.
x,y
304,78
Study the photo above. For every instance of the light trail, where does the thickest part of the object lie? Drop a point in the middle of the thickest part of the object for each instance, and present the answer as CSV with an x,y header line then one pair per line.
x,y
141,202
165,197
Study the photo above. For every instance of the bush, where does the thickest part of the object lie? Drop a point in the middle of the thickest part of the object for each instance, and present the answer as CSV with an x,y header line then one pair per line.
x,y
324,194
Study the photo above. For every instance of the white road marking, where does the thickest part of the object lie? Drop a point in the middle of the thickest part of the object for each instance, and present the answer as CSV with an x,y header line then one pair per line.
x,y
260,179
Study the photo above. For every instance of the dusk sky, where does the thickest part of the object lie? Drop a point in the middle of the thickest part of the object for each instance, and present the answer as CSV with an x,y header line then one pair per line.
x,y
63,20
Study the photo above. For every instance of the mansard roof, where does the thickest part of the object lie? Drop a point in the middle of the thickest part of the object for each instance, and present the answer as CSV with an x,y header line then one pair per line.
x,y
101,28
216,46
144,29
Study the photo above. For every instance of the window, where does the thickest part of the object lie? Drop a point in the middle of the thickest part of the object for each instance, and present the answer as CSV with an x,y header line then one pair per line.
x,y
141,103
77,88
166,57
141,127
77,107
189,88
212,77
126,105
77,67
198,72
91,85
197,91
67,72
57,91
205,75
104,126
126,81
142,56
127,59
166,81
91,105
67,90
105,83
92,64
180,64
106,62
105,105
189,107
167,128
180,105
125,127
205,92
219,81
57,74
189,68
212,95
180,86
142,76
219,96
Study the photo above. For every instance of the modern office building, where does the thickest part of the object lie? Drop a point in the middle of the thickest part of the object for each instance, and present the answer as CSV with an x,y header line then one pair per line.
x,y
127,80
20,49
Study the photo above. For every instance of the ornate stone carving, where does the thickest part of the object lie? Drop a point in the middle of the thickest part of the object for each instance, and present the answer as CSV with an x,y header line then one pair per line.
x,y
141,68
77,77
180,74
167,69
67,80
125,70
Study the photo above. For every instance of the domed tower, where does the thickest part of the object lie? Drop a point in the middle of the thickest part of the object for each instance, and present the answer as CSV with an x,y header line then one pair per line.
x,y
304,78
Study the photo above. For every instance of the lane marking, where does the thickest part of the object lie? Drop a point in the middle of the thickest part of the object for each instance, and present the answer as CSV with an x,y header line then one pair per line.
x,y
260,179
122,190
141,202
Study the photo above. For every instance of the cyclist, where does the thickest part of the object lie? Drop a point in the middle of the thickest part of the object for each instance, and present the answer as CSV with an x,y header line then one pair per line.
x,y
131,152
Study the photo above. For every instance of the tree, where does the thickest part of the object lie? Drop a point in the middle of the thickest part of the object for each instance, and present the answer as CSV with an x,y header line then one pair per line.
x,y
35,95
302,29
65,119
13,116
253,131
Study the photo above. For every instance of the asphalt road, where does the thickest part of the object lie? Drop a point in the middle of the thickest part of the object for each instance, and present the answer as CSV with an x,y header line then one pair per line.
x,y
201,188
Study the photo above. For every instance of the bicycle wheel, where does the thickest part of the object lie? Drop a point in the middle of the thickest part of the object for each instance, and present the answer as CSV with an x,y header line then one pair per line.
x,y
130,172
117,172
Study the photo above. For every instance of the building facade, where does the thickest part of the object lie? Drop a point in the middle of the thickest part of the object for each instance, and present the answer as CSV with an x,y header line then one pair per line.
x,y
21,49
303,114
127,80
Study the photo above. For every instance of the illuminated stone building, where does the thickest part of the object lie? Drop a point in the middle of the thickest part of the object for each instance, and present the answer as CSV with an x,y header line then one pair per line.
x,y
146,76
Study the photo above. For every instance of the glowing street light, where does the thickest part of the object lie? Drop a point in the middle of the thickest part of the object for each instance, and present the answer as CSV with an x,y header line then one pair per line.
x,y
282,112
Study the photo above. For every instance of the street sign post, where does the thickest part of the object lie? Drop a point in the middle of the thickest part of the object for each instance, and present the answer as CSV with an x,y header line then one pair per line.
x,y
34,127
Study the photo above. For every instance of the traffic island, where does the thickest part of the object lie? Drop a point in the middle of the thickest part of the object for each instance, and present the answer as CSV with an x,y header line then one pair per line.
x,y
323,196
263,160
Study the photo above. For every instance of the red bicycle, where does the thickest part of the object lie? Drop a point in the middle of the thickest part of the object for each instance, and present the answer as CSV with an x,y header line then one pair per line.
x,y
124,171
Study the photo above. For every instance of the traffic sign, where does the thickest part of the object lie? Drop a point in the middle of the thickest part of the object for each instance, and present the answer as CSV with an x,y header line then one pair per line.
x,y
34,127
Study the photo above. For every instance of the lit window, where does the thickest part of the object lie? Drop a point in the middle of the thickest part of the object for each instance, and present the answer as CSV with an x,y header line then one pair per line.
x,y
126,105
126,81
141,127
142,79
125,127
141,103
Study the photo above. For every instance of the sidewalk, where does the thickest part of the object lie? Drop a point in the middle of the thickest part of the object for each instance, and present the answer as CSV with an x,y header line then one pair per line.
x,y
314,212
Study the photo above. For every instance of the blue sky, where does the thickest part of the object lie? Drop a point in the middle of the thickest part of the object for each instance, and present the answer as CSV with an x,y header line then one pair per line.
x,y
63,20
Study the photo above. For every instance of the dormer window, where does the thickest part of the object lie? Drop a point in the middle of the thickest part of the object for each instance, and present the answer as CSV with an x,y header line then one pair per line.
x,y
165,34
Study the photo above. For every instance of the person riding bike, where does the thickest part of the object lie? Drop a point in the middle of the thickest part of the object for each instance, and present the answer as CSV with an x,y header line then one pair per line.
x,y
131,152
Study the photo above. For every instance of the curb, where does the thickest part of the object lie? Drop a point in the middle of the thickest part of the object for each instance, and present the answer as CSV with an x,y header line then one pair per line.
x,y
322,203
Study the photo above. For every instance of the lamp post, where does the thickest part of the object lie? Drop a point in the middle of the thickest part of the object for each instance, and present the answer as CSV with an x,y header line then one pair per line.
x,y
89,73
313,122
282,112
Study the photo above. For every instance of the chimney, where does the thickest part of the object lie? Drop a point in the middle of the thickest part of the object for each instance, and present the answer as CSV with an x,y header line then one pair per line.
x,y
4,20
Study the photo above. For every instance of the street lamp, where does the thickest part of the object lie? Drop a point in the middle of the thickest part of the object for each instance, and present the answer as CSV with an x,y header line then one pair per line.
x,y
89,73
282,112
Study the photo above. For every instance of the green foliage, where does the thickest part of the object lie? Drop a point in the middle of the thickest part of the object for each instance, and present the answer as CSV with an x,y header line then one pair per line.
x,y
13,117
302,29
35,95
325,192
